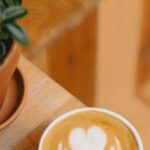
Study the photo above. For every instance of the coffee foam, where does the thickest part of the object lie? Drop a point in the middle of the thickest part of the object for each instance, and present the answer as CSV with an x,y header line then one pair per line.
x,y
95,138
90,130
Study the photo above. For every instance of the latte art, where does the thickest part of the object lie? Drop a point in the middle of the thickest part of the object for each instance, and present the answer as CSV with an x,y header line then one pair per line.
x,y
94,139
90,130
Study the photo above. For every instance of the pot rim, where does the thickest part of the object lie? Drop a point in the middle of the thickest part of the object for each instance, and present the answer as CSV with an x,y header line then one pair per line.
x,y
14,116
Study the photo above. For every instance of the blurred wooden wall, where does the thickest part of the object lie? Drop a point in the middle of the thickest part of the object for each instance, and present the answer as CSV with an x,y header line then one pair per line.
x,y
71,58
123,37
143,72
68,30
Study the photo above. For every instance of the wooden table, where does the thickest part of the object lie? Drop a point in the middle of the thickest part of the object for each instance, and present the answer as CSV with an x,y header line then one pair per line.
x,y
46,100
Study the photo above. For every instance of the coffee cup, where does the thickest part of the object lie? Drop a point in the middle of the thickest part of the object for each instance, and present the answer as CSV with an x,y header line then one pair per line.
x,y
91,129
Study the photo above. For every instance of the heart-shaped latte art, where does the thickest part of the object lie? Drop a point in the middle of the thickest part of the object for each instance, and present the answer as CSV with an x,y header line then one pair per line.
x,y
94,138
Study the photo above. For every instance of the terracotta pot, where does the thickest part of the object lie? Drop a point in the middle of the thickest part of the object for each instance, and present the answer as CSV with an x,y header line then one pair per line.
x,y
7,69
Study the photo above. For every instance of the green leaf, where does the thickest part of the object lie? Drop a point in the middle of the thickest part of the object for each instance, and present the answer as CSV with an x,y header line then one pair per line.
x,y
17,2
10,11
13,13
13,2
3,35
8,2
1,19
1,61
18,33
2,7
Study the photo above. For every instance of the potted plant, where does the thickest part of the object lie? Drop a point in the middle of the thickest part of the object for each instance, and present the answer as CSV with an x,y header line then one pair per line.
x,y
10,32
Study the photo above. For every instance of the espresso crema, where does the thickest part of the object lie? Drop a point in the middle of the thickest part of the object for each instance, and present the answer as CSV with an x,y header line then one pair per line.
x,y
90,130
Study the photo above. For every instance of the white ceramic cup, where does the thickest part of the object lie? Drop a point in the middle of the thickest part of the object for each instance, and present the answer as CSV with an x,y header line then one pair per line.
x,y
105,111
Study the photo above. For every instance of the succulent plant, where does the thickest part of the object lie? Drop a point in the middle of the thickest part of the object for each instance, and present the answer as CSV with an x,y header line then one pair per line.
x,y
10,11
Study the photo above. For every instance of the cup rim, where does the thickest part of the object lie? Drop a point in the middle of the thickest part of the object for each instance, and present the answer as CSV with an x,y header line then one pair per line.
x,y
102,110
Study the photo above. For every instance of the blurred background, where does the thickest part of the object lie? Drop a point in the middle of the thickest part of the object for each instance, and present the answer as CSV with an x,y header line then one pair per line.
x,y
97,50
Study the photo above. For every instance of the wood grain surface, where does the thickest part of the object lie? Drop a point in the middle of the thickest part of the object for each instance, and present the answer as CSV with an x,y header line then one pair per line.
x,y
46,100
